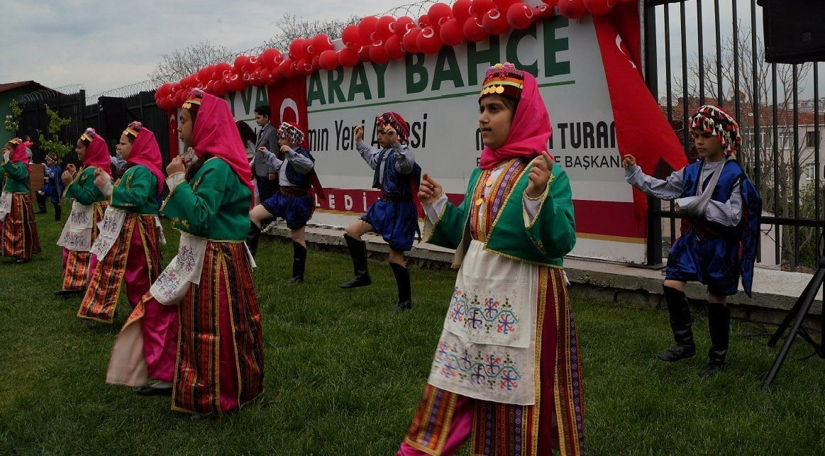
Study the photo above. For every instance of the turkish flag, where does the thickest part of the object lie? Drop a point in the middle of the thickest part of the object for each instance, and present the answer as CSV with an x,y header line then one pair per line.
x,y
642,130
288,101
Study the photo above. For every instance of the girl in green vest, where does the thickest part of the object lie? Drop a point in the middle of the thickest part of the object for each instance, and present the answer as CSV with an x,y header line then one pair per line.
x,y
18,229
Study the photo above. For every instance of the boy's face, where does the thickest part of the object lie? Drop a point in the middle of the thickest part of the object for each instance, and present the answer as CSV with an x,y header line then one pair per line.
x,y
261,120
708,146
383,140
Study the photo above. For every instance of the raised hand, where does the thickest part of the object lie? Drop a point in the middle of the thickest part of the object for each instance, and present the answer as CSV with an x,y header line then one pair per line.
x,y
66,176
101,178
391,135
359,133
542,167
175,166
429,190
284,149
628,161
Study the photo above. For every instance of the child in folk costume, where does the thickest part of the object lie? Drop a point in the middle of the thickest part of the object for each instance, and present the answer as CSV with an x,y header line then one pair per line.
x,y
128,246
18,229
507,372
219,364
53,188
294,202
88,206
394,216
723,219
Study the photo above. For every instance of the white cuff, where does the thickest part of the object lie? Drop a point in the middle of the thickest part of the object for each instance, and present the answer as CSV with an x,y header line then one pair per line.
x,y
434,210
531,209
173,180
685,204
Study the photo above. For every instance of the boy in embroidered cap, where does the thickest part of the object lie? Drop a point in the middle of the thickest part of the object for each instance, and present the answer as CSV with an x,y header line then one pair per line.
x,y
294,201
722,210
506,372
18,228
394,216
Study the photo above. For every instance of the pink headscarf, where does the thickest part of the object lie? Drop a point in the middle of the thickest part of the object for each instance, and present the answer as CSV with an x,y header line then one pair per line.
x,y
216,134
146,152
19,154
529,131
97,152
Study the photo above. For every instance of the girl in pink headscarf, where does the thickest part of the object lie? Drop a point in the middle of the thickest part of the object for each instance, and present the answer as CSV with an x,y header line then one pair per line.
x,y
127,248
506,373
219,352
88,206
18,229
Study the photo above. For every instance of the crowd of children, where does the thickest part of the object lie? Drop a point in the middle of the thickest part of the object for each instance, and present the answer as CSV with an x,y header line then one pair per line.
x,y
194,331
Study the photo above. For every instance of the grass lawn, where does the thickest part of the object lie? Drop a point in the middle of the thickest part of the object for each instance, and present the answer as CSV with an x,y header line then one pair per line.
x,y
343,377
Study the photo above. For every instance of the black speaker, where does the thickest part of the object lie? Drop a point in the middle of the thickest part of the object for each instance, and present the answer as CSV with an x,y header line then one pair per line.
x,y
112,116
794,30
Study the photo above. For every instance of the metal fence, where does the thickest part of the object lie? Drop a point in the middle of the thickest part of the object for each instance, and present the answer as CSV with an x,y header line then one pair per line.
x,y
712,52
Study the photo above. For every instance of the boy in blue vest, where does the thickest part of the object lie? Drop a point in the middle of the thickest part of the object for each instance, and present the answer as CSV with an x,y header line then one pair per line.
x,y
395,215
722,209
293,201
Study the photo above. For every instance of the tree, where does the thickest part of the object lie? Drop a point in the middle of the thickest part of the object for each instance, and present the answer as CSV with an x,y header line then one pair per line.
x,y
52,143
778,170
182,62
12,122
291,27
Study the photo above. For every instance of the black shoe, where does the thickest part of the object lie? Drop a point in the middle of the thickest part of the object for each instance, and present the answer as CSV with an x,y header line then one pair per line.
x,y
77,291
358,251
22,260
680,323
401,307
677,353
149,391
294,280
712,369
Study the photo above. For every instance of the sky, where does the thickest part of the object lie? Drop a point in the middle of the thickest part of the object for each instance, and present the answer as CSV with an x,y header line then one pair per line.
x,y
104,45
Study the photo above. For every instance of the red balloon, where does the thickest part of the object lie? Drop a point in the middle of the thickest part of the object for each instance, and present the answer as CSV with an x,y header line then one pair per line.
x,y
378,54
180,97
495,23
286,68
480,7
439,13
572,9
428,41
384,27
364,53
519,15
223,67
393,47
163,91
271,58
321,43
410,41
234,83
451,33
328,60
255,77
403,25
351,37
296,49
599,6
423,21
473,31
366,28
205,74
461,10
544,11
348,57
252,63
264,75
504,5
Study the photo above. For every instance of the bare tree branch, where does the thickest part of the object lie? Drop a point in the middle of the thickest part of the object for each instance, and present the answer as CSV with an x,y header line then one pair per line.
x,y
291,27
182,62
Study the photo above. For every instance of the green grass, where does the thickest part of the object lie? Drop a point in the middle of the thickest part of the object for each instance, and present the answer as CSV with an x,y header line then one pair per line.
x,y
343,377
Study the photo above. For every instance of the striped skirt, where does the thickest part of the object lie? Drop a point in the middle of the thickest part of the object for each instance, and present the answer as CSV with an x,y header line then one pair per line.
x,y
220,360
77,265
134,258
18,232
445,420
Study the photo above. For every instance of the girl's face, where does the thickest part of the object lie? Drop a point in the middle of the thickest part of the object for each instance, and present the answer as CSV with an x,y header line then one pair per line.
x,y
124,147
185,126
494,120
708,146
80,148
6,150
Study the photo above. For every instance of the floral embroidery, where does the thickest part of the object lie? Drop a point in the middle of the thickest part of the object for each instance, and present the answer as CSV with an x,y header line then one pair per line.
x,y
488,370
488,314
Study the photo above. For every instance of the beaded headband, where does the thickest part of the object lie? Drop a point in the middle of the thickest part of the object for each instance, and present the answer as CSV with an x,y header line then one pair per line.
x,y
291,132
133,129
502,79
